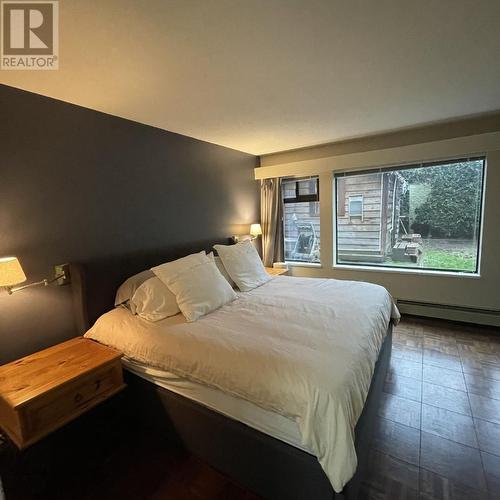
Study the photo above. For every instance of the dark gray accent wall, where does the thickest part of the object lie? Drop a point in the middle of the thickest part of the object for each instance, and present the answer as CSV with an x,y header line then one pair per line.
x,y
76,184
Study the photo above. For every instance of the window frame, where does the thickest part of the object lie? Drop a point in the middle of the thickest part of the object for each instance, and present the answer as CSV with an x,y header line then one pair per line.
x,y
300,198
360,215
363,266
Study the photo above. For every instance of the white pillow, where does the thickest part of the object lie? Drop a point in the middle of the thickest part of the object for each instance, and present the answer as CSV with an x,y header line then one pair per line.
x,y
221,268
243,264
164,271
128,287
154,301
199,290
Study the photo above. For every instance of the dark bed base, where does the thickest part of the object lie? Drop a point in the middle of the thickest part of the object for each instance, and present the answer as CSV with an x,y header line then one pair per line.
x,y
261,463
265,465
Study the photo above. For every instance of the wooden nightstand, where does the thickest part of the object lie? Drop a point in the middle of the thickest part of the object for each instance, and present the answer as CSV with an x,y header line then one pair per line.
x,y
44,391
276,272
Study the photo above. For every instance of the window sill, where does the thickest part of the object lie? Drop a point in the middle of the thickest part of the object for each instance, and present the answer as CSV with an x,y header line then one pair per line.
x,y
417,272
316,265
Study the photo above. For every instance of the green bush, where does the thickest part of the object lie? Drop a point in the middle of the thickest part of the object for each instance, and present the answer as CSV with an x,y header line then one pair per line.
x,y
452,207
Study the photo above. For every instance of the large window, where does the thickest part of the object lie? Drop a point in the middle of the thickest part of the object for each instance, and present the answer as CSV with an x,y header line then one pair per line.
x,y
301,219
422,216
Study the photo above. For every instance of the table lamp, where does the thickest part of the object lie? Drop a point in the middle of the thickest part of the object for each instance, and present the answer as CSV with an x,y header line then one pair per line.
x,y
255,231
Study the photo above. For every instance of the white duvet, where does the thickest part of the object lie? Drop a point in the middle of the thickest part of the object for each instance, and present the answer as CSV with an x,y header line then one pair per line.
x,y
302,347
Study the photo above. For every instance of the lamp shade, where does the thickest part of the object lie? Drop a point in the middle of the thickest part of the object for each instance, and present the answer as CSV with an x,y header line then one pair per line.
x,y
255,230
11,272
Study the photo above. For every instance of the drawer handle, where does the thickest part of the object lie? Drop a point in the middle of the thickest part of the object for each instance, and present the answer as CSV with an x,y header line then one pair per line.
x,y
97,385
78,398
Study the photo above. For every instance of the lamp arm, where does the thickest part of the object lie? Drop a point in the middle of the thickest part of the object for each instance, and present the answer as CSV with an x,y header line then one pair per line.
x,y
44,282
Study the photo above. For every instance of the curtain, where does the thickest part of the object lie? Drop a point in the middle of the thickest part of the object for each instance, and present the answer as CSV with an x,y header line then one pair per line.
x,y
271,218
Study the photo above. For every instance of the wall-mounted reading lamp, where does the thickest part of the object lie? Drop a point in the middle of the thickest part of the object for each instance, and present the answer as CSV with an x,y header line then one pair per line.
x,y
11,274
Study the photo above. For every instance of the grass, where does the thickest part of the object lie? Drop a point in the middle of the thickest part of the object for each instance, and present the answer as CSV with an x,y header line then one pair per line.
x,y
442,259
442,255
454,258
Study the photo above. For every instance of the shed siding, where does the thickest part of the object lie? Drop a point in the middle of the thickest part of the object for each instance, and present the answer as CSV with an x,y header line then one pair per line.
x,y
359,233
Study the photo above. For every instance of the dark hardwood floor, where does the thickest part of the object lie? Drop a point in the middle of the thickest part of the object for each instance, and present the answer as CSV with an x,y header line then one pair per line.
x,y
438,432
437,436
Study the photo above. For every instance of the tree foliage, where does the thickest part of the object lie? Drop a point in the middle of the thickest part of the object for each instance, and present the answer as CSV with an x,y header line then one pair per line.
x,y
452,207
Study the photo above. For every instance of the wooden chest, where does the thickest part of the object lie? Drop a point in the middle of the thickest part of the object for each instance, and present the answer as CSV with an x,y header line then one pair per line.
x,y
43,391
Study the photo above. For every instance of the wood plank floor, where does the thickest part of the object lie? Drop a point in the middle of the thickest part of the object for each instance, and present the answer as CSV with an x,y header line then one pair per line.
x,y
437,436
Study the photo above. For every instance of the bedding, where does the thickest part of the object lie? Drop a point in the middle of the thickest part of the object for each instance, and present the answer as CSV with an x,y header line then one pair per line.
x,y
200,290
243,264
126,291
222,270
268,422
304,348
154,301
169,269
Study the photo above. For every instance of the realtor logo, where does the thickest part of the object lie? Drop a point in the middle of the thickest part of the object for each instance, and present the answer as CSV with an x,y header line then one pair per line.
x,y
30,35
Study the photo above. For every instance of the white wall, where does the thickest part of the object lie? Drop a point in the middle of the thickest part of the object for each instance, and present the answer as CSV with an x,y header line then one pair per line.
x,y
467,292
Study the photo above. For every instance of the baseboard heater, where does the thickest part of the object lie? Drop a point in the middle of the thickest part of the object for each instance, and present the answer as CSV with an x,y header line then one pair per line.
x,y
447,311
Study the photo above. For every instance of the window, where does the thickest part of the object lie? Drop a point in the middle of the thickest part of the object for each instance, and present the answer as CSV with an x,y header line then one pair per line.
x,y
356,206
424,216
301,219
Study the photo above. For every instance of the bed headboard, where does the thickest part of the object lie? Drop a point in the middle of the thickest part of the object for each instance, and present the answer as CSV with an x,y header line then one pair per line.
x,y
94,282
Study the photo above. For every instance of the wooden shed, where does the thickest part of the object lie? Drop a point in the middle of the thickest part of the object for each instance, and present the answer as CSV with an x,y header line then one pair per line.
x,y
367,215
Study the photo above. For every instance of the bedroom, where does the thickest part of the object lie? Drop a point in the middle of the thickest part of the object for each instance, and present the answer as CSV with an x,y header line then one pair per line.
x,y
325,166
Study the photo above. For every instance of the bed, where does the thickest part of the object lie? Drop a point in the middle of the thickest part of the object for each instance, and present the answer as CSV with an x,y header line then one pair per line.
x,y
277,389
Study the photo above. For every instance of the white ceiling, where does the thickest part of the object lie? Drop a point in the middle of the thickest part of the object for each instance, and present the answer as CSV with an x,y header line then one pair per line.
x,y
270,75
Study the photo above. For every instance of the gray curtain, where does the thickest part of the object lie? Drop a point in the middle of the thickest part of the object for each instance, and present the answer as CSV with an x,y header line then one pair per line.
x,y
271,219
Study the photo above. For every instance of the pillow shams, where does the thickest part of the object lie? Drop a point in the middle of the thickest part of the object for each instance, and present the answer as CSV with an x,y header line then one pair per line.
x,y
129,286
243,264
221,268
153,301
165,271
199,290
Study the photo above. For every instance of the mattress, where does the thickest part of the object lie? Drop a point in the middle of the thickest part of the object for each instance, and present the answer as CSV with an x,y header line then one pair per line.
x,y
301,348
268,422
